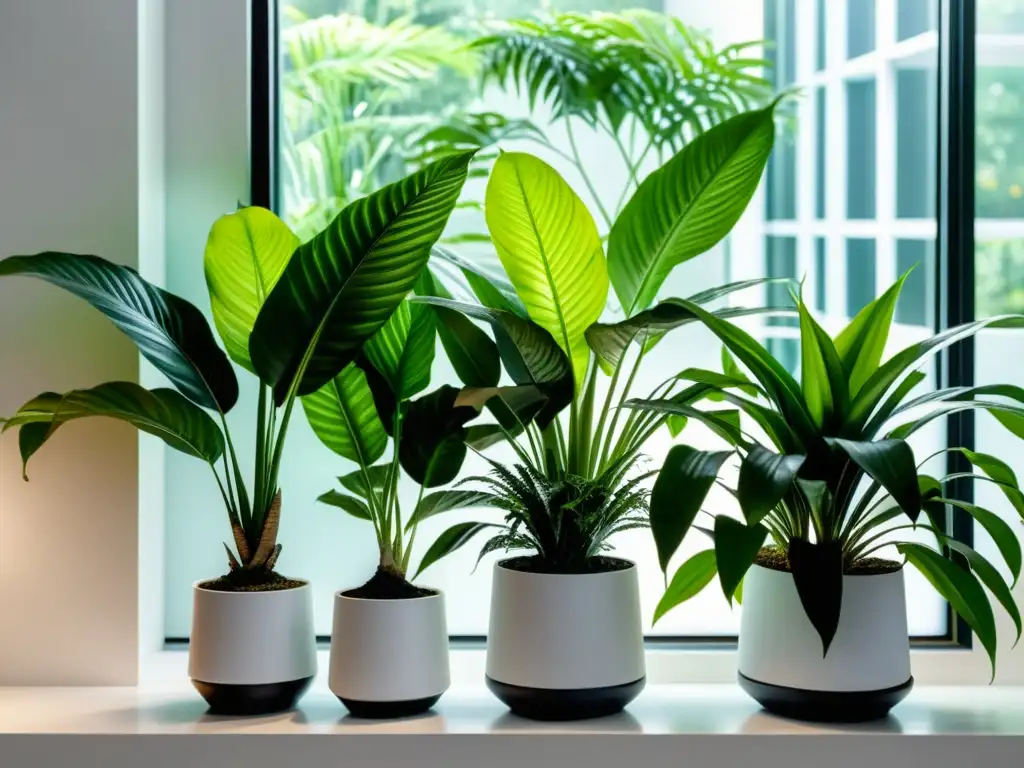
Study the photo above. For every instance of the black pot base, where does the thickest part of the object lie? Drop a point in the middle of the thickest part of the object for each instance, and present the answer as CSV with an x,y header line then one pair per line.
x,y
263,699
825,706
385,710
572,704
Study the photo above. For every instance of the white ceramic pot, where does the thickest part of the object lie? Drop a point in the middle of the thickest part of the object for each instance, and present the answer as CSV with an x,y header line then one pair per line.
x,y
866,670
565,646
252,652
389,658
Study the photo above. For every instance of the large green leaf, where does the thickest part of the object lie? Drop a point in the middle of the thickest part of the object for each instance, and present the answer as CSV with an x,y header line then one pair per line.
x,y
343,285
432,446
736,547
246,253
818,575
169,332
960,588
891,464
342,414
377,475
491,286
445,501
990,577
683,482
688,205
688,581
765,478
551,250
402,351
162,412
862,343
355,507
452,539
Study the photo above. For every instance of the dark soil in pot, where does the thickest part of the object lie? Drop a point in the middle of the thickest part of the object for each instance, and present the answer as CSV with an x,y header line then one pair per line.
x,y
244,580
535,564
387,585
775,559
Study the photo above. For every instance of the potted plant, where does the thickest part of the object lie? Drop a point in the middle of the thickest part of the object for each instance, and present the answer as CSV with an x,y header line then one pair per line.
x,y
823,630
565,637
294,315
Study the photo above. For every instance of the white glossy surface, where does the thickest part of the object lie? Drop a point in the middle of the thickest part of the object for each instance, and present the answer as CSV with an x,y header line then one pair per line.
x,y
779,645
389,650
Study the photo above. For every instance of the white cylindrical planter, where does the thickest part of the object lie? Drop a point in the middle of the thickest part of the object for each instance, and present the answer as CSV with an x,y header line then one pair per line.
x,y
866,670
565,646
252,652
389,658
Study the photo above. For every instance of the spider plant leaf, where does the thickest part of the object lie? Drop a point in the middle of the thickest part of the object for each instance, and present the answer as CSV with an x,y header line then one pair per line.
x,y
402,350
1004,537
688,205
765,478
246,254
823,379
960,589
354,506
549,245
341,287
1001,472
169,332
861,344
683,482
724,423
689,580
343,415
720,380
736,548
892,402
445,501
891,463
818,575
989,576
450,540
163,412
1013,422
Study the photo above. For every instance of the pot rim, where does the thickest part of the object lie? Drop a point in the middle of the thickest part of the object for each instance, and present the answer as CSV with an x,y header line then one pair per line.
x,y
340,595
897,572
631,569
197,587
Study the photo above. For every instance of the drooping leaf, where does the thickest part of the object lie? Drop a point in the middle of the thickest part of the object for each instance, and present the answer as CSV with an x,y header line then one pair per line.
x,y
818,575
355,507
891,403
483,436
688,581
342,414
402,350
765,478
891,463
551,250
683,482
356,482
432,446
724,423
862,342
688,205
1004,537
246,253
960,588
1002,473
163,412
736,548
445,501
452,539
990,577
343,285
169,331
720,380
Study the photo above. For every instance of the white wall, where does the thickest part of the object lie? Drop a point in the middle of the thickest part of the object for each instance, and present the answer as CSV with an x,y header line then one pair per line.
x,y
74,157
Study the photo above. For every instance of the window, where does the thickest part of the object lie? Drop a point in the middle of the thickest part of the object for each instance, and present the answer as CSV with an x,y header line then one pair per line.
x,y
847,206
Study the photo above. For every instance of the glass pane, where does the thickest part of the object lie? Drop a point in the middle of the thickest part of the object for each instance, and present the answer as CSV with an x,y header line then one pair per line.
x,y
860,274
916,143
787,352
860,27
780,261
1000,17
914,306
820,154
821,36
820,273
860,149
999,144
913,17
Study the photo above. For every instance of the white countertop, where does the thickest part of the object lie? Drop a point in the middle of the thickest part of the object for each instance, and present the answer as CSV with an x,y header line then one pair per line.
x,y
712,724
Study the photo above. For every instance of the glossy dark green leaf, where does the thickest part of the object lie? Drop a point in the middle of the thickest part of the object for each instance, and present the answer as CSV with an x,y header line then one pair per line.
x,y
683,482
891,463
176,420
688,581
723,423
444,501
169,332
432,447
990,577
355,507
720,380
1002,473
341,287
452,539
960,588
1004,537
736,548
765,478
818,575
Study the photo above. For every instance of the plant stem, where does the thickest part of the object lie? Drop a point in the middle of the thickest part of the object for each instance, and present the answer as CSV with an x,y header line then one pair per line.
x,y
615,416
261,451
563,454
586,420
412,534
599,432
583,172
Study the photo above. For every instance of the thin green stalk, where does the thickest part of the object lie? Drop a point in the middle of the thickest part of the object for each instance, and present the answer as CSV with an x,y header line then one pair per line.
x,y
578,161
586,420
275,462
511,440
534,438
615,416
863,550
393,514
412,534
259,474
599,432
563,453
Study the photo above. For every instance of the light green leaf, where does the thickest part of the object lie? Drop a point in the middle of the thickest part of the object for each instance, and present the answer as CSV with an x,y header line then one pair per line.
x,y
688,205
551,250
342,414
823,378
343,285
246,253
862,343
688,581
402,351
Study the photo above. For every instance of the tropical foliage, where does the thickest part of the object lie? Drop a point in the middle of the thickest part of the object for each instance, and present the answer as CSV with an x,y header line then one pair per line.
x,y
294,315
545,314
837,482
